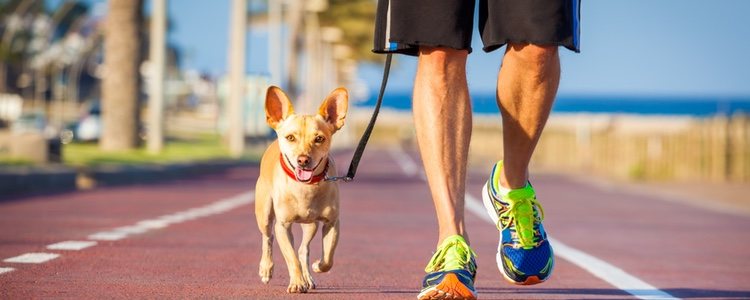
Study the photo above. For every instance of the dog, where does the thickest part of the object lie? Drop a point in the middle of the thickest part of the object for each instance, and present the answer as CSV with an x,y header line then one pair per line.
x,y
292,186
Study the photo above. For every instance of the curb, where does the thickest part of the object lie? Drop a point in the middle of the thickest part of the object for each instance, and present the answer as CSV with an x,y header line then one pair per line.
x,y
23,181
16,181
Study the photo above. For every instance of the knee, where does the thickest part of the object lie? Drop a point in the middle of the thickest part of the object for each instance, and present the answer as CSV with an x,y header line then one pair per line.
x,y
439,59
534,53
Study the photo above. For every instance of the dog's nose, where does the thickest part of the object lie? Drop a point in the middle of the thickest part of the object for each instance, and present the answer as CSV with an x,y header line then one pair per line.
x,y
303,160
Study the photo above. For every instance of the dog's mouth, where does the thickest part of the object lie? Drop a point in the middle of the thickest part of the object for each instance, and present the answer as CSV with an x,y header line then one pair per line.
x,y
303,174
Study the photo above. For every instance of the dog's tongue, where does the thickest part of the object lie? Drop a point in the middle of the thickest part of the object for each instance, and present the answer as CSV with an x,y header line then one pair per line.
x,y
304,175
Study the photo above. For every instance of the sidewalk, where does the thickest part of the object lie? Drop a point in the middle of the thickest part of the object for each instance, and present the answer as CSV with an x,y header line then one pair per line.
x,y
18,182
731,198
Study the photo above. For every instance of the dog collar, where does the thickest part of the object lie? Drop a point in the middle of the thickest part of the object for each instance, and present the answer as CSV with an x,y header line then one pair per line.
x,y
289,172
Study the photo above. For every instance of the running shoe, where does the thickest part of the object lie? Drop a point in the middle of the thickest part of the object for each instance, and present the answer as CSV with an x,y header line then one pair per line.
x,y
524,254
451,272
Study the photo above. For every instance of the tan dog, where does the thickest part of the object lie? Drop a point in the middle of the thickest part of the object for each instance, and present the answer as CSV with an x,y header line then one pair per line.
x,y
291,187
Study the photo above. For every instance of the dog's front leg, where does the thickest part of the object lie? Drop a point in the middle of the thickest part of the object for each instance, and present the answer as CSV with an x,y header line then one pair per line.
x,y
330,240
264,214
284,236
308,232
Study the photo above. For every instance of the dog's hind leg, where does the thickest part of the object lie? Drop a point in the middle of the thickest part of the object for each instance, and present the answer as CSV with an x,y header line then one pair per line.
x,y
330,240
308,232
264,214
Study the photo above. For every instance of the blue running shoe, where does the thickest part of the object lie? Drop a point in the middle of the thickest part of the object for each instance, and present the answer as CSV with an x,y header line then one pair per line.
x,y
524,254
451,272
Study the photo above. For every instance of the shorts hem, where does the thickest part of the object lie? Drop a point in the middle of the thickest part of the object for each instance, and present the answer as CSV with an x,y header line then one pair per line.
x,y
494,45
412,47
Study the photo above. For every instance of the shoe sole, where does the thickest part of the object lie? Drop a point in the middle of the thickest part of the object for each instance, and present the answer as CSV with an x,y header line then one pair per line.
x,y
487,201
449,288
531,280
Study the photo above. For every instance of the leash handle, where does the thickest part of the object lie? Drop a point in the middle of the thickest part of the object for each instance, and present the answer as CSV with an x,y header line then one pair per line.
x,y
366,135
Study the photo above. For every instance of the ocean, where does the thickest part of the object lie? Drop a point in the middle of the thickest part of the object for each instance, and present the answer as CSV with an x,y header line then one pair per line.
x,y
685,106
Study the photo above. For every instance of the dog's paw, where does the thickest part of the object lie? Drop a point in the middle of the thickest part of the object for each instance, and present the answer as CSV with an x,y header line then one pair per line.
x,y
319,267
309,281
265,272
297,286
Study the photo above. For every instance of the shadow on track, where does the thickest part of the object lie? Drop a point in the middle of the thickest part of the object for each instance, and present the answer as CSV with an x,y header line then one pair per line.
x,y
685,293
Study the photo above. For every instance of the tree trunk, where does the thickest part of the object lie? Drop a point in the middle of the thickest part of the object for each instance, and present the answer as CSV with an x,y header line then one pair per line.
x,y
293,23
3,80
120,81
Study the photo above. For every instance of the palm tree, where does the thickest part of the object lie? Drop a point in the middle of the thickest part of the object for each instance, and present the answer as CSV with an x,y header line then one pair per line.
x,y
356,18
15,36
120,83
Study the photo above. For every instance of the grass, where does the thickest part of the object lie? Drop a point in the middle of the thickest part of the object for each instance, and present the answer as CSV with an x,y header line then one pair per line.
x,y
6,161
202,148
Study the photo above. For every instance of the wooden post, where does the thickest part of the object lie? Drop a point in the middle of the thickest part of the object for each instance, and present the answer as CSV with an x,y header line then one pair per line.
x,y
157,55
275,47
234,108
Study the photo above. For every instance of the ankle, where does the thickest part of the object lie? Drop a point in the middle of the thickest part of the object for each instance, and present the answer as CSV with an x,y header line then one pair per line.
x,y
513,181
510,185
443,237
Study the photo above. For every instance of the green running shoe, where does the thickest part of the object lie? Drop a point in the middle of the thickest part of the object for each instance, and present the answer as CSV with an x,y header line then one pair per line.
x,y
524,254
451,272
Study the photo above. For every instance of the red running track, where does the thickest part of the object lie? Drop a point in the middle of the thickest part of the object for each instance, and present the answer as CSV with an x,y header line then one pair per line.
x,y
388,235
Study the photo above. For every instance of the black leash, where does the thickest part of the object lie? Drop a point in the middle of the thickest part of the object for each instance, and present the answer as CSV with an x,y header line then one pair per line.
x,y
366,135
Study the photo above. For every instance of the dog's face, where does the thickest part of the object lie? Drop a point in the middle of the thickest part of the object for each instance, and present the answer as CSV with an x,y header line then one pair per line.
x,y
305,140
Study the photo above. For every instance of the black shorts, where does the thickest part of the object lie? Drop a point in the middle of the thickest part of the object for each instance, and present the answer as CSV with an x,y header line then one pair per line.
x,y
404,25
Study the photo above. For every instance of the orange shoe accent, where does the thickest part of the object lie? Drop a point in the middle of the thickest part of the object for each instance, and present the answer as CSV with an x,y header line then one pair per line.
x,y
449,288
531,280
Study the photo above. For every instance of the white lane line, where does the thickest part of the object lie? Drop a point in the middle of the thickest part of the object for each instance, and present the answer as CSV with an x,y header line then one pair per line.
x,y
32,258
408,166
597,267
143,226
71,245
107,236
609,273
118,233
153,224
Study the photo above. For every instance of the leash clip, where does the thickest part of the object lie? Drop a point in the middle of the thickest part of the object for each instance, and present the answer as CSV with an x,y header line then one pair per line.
x,y
337,178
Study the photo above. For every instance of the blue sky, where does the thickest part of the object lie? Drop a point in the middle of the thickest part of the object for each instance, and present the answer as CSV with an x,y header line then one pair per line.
x,y
633,47
639,48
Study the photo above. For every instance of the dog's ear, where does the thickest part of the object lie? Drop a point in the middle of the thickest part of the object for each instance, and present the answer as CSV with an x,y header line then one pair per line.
x,y
278,106
334,108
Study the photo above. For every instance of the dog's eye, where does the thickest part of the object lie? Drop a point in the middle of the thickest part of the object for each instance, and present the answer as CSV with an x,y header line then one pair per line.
x,y
290,138
319,139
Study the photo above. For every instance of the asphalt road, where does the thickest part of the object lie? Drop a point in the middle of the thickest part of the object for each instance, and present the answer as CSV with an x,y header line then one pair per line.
x,y
197,238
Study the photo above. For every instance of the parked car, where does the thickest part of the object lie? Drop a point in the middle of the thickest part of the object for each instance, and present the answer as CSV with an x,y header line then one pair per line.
x,y
88,128
36,123
33,122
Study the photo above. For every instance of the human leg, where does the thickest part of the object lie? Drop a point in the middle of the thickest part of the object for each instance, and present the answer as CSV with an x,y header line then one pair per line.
x,y
442,119
527,84
439,32
526,88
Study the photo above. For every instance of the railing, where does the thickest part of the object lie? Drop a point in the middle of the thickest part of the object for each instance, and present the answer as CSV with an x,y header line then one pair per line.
x,y
632,147
714,149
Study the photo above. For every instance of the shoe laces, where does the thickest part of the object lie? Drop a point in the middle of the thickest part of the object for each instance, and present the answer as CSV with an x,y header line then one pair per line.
x,y
523,212
452,254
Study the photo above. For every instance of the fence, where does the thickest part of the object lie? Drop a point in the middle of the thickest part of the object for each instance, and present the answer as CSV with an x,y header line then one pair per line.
x,y
663,148
651,148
